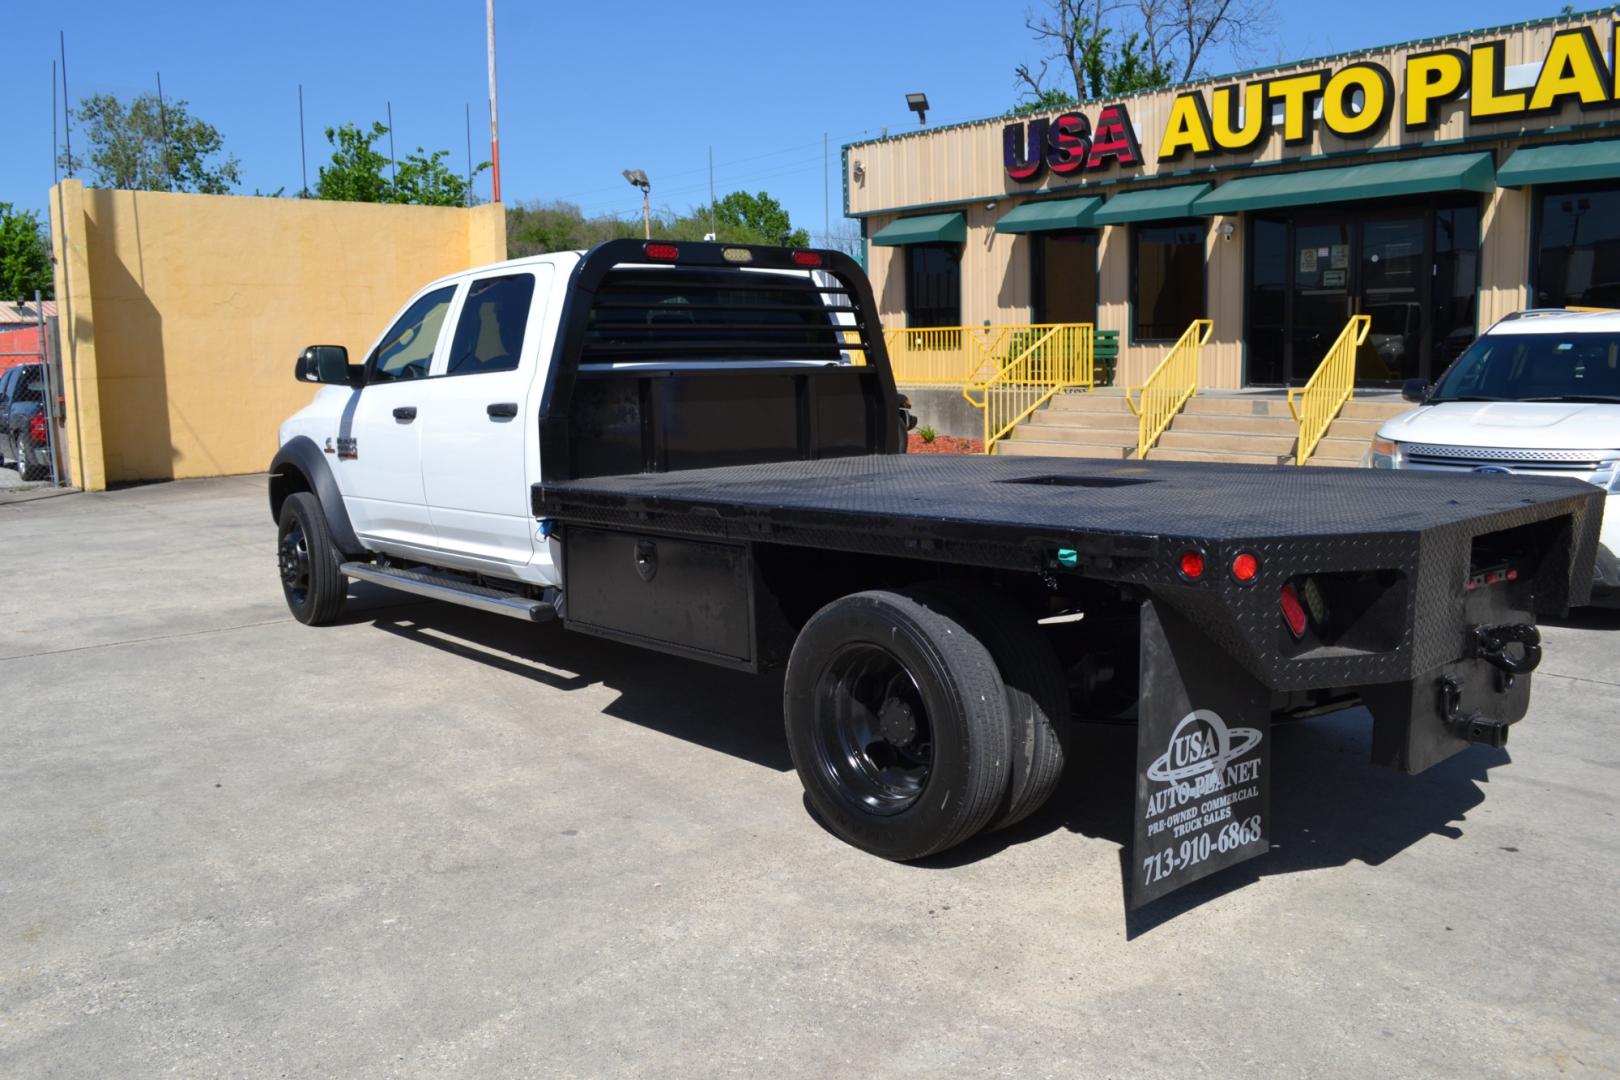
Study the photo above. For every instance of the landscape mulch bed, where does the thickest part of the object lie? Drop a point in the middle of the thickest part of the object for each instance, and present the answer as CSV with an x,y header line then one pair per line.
x,y
944,444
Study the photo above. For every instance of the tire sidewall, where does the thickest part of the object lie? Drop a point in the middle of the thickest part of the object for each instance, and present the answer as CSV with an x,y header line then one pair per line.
x,y
914,831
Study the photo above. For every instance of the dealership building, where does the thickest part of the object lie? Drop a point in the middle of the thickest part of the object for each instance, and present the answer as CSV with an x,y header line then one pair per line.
x,y
1433,186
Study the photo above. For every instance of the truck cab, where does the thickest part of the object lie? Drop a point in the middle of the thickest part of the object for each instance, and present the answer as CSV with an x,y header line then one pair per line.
x,y
1538,394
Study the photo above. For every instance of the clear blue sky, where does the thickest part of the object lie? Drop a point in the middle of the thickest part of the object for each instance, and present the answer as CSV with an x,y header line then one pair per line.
x,y
587,89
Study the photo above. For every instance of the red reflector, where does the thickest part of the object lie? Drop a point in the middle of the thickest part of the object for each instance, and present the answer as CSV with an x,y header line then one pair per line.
x,y
1192,564
807,258
36,427
662,251
1293,611
1245,566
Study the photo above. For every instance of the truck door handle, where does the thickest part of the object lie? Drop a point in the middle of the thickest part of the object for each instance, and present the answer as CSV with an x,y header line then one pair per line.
x,y
405,413
501,410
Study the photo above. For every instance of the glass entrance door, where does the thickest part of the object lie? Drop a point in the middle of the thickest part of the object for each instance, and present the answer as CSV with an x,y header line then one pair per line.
x,y
1323,300
1412,270
1392,291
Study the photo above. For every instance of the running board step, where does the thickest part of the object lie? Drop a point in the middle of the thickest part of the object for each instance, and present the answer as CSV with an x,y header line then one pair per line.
x,y
455,590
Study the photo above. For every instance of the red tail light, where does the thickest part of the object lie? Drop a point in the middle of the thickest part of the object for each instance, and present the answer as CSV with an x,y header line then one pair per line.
x,y
36,428
1245,567
807,258
1191,565
662,252
1293,612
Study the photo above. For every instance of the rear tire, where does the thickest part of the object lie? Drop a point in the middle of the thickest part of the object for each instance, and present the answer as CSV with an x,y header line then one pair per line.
x,y
897,722
1037,695
310,580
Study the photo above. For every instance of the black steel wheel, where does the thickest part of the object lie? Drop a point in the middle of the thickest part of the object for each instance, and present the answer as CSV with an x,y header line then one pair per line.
x,y
1037,694
896,720
308,562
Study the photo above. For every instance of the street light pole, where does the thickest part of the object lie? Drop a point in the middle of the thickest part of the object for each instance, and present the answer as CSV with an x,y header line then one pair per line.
x,y
639,179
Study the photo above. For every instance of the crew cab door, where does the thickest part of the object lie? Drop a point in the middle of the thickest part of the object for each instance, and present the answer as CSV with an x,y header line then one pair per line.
x,y
379,446
481,432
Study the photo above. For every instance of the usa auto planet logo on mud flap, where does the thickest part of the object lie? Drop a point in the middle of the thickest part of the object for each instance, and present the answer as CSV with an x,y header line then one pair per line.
x,y
1210,799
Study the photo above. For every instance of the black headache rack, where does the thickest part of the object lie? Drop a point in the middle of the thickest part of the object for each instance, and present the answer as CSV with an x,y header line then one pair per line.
x,y
678,355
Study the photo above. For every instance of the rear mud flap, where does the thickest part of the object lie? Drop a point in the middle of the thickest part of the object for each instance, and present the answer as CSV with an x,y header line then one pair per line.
x,y
1203,776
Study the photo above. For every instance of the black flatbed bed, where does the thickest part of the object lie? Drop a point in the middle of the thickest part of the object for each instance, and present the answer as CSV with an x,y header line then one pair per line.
x,y
1012,497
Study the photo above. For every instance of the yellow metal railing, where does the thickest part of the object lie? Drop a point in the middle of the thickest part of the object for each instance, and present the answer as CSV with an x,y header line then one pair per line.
x,y
958,355
1317,403
1157,401
1053,359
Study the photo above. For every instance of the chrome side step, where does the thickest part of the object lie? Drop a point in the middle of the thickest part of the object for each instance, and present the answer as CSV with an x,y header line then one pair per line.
x,y
455,590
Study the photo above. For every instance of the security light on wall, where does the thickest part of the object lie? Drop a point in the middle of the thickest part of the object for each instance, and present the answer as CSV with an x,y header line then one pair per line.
x,y
918,103
1226,230
859,172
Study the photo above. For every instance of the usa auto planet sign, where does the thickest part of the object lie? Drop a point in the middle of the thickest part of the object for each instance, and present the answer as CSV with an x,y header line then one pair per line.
x,y
1204,800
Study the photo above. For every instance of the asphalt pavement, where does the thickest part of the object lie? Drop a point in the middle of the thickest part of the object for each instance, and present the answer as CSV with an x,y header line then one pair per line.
x,y
433,842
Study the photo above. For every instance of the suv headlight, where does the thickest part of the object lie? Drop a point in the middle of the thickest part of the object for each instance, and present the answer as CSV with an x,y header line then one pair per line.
x,y
1384,454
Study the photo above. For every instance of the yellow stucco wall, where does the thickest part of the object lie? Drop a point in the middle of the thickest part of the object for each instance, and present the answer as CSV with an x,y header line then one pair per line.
x,y
183,314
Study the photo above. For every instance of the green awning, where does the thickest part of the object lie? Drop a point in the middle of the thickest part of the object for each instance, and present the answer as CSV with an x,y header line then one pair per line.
x,y
1050,215
1154,204
923,229
1381,180
1562,164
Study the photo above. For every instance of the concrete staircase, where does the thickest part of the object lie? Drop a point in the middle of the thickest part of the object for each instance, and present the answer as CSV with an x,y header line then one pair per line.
x,y
1096,425
1256,428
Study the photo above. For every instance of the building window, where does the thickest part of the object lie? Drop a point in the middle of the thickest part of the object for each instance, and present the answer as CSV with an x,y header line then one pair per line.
x,y
1167,278
934,285
1064,268
1578,247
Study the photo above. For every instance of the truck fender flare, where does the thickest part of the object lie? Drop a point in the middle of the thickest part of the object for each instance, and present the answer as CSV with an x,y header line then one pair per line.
x,y
300,466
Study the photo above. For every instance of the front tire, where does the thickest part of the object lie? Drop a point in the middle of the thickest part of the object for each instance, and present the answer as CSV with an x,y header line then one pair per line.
x,y
309,561
897,723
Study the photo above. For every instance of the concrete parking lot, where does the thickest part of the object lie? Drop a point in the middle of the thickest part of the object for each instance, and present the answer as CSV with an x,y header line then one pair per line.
x,y
433,842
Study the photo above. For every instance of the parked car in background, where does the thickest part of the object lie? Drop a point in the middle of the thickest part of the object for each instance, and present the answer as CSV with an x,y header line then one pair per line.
x,y
24,432
1538,394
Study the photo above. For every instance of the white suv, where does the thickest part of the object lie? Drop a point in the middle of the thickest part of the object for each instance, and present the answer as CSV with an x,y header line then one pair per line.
x,y
1537,394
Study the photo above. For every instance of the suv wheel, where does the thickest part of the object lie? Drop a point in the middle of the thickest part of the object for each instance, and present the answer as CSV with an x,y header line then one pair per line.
x,y
310,580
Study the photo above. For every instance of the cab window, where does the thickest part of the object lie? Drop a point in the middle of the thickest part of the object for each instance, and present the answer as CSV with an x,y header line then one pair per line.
x,y
406,351
489,333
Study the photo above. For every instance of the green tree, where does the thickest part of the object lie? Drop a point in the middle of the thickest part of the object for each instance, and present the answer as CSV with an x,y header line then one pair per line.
x,y
739,218
360,173
356,172
25,259
758,219
152,146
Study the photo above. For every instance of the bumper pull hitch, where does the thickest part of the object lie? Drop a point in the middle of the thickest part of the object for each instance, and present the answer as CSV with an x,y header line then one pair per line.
x,y
1491,642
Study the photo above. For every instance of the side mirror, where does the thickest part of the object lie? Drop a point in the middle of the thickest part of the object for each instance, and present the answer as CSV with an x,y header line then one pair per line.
x,y
324,364
1415,390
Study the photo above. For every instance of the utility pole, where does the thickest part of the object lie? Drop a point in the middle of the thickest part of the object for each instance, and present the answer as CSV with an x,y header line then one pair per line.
x,y
826,188
393,166
303,158
163,125
714,226
67,106
467,110
56,167
494,121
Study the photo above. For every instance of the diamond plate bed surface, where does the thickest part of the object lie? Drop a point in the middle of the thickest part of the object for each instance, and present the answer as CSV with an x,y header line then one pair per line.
x,y
1210,501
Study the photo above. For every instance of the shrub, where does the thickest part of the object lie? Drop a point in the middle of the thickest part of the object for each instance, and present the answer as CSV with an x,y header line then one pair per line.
x,y
927,434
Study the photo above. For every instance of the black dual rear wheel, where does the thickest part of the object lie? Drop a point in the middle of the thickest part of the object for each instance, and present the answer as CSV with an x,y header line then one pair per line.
x,y
897,722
